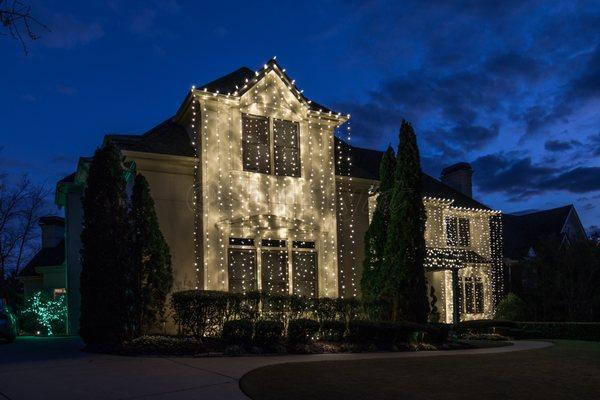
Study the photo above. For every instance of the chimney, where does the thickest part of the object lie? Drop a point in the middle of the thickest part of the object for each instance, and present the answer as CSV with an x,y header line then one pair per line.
x,y
458,176
53,230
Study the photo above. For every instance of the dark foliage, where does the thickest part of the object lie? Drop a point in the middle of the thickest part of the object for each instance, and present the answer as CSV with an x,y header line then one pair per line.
x,y
105,253
561,330
151,258
332,330
561,282
268,332
302,330
200,312
163,345
404,252
238,331
512,308
375,237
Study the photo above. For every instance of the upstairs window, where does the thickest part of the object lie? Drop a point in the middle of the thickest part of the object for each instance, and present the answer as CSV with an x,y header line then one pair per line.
x,y
270,146
256,148
458,232
286,148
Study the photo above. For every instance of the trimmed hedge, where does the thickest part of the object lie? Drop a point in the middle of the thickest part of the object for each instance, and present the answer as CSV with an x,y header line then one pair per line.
x,y
268,332
534,330
561,330
385,334
235,317
302,330
238,331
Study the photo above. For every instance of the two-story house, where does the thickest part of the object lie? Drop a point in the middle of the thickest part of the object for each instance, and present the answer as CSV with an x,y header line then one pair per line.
x,y
254,191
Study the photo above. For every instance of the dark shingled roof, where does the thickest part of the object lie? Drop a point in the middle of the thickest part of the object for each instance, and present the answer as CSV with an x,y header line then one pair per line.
x,y
46,257
171,138
227,83
167,137
522,232
365,164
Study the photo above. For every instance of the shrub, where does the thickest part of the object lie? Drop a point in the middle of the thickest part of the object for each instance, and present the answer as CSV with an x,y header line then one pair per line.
x,y
163,345
333,330
512,308
268,332
561,330
326,309
302,330
200,312
484,326
237,331
437,332
45,314
386,334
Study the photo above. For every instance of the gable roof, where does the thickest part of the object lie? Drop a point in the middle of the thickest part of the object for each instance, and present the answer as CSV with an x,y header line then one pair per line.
x,y
522,232
168,137
242,79
365,164
46,257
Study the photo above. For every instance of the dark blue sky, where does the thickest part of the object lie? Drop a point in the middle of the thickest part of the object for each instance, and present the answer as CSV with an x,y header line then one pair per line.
x,y
512,87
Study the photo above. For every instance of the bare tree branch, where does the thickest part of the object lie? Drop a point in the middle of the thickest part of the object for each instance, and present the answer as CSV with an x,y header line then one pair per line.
x,y
16,18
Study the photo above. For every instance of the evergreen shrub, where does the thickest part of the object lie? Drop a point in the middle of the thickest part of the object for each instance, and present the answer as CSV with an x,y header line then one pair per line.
x,y
268,332
302,330
238,331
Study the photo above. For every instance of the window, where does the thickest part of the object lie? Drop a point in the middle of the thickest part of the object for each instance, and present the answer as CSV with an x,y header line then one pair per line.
x,y
242,270
279,261
256,148
304,266
458,232
265,152
275,271
471,295
286,148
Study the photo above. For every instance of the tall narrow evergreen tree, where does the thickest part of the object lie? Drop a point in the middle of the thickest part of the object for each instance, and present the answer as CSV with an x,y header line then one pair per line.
x,y
404,251
151,259
104,251
375,237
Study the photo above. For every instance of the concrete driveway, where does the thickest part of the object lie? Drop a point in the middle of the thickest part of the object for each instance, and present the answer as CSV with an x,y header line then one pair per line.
x,y
55,368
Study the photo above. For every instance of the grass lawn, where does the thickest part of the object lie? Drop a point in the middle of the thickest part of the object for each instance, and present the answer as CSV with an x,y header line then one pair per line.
x,y
568,370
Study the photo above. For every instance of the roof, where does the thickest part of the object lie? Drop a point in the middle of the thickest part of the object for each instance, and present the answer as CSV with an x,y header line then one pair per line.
x,y
168,137
522,232
365,164
46,257
241,80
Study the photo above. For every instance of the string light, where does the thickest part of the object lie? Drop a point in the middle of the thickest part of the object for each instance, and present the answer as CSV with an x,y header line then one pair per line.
x,y
280,186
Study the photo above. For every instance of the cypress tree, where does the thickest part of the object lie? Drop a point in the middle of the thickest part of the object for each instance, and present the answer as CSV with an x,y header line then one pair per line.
x,y
104,261
375,237
151,259
404,251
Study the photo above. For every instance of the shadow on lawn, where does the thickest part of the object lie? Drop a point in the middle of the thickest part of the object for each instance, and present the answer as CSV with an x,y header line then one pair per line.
x,y
568,370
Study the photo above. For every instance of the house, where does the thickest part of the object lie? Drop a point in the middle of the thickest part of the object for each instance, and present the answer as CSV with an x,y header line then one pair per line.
x,y
254,190
45,272
524,231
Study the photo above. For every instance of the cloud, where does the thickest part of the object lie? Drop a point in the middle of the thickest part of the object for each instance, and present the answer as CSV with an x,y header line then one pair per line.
x,y
28,97
595,144
559,145
67,31
520,178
